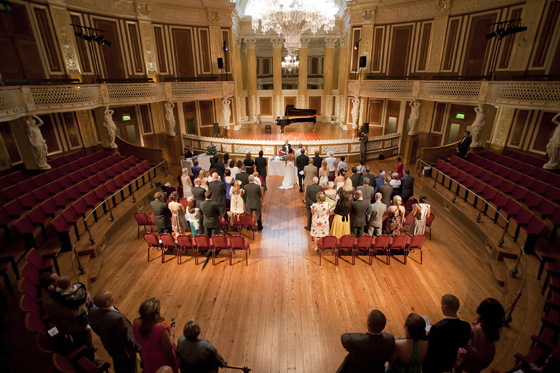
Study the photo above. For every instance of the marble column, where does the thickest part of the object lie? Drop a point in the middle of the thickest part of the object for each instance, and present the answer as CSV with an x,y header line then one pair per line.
x,y
252,77
328,75
277,77
342,79
302,79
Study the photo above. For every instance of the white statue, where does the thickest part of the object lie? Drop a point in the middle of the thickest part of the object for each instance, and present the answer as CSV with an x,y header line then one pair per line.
x,y
413,119
37,141
354,112
477,125
553,146
169,118
226,112
110,126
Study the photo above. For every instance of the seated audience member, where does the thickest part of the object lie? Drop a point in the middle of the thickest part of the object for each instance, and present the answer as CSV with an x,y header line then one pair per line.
x,y
155,336
331,163
420,211
366,189
379,180
396,214
195,168
356,178
198,191
409,352
340,180
362,167
377,211
237,206
368,352
72,296
386,191
358,214
233,168
480,351
400,167
197,354
115,332
195,218
445,338
320,222
407,186
396,184
342,165
341,222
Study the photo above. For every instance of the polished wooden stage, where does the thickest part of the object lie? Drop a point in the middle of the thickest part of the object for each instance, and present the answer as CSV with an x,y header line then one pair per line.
x,y
293,132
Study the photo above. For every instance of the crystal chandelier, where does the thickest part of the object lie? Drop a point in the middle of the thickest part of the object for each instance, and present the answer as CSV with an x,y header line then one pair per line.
x,y
290,62
291,18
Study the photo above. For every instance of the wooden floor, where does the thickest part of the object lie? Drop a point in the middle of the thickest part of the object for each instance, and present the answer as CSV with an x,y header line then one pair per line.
x,y
293,132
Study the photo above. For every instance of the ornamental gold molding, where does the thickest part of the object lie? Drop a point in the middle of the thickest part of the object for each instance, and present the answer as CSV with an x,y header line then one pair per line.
x,y
148,46
87,128
216,47
157,117
502,126
61,24
426,116
438,40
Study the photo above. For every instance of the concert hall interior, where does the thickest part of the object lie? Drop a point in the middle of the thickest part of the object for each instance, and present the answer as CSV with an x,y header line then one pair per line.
x,y
396,152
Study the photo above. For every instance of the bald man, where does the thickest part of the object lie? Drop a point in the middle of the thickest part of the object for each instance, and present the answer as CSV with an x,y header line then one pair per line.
x,y
115,332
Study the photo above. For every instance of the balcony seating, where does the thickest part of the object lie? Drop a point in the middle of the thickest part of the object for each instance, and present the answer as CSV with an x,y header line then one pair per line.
x,y
30,233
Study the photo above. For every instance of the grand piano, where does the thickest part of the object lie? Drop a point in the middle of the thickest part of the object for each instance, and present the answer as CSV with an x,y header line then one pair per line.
x,y
294,115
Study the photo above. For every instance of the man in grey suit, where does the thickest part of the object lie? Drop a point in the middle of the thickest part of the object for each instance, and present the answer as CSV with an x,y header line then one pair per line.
x,y
243,176
115,332
368,352
309,172
218,190
311,198
211,215
386,190
367,190
198,191
358,214
377,211
253,200
407,186
162,214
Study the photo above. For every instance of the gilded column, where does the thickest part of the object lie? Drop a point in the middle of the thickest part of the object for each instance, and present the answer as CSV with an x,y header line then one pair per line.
x,y
238,79
532,12
438,40
216,47
302,81
66,40
277,105
502,127
149,48
342,79
252,77
328,74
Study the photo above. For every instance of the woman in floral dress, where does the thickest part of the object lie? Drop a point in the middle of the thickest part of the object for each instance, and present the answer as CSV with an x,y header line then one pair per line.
x,y
396,217
320,222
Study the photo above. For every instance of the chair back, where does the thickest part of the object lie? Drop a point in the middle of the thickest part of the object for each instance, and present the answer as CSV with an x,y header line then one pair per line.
x,y
408,220
238,242
34,324
346,242
430,219
382,242
328,242
31,273
245,219
416,242
399,242
220,242
27,304
203,242
186,242
408,205
28,288
167,240
35,258
62,364
363,242
142,218
185,203
152,219
151,239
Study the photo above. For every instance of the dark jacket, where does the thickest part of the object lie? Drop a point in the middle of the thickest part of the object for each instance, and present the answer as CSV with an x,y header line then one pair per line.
x,y
218,190
386,190
115,332
302,161
356,180
464,146
211,214
366,352
311,194
162,214
444,341
358,214
220,169
199,356
317,162
261,163
198,194
243,177
371,179
407,186
253,195
378,181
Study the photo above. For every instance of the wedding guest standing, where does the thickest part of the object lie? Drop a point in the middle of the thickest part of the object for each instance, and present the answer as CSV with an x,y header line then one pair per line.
x,y
331,163
323,174
233,168
262,165
195,218
320,222
409,352
341,222
318,161
187,184
396,217
237,206
162,214
219,191
420,211
178,220
195,168
399,167
228,180
249,163
197,354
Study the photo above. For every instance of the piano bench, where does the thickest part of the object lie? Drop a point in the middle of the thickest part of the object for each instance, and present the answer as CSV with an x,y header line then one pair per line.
x,y
268,129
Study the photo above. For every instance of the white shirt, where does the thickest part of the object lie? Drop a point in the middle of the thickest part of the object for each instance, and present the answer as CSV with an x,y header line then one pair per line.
x,y
234,171
395,183
331,163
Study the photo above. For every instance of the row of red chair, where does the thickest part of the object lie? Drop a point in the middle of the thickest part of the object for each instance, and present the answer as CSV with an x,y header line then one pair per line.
x,y
67,158
384,244
198,244
521,157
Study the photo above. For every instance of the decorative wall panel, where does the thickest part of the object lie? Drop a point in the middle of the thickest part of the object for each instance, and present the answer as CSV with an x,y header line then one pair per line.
x,y
158,119
335,148
87,128
149,47
247,149
61,20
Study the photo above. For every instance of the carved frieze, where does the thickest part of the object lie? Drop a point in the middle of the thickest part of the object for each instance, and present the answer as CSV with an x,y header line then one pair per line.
x,y
148,46
227,148
215,46
268,149
242,149
426,116
313,149
195,144
373,145
335,148
205,144
354,148
143,9
503,125
387,143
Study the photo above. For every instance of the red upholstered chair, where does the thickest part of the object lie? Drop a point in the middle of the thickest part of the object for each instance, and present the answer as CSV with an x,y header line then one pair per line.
x,y
239,243
101,193
14,209
521,219
153,241
119,166
167,243
495,181
16,177
362,243
31,274
143,221
533,200
144,166
54,187
83,162
416,243
380,245
507,161
203,243
29,232
76,177
533,231
103,176
84,187
26,186
408,221
554,180
185,243
49,207
112,189
398,243
74,166
346,243
507,187
476,172
439,164
429,221
61,200
94,168
73,193
28,201
39,219
65,181
76,362
152,219
112,160
12,192
546,209
224,222
461,163
41,194
80,208
245,220
485,176
468,167
515,177
504,171
512,208
519,193
411,202
553,194
98,156
477,189
64,170
184,202
527,182
102,164
120,183
219,242
39,180
43,262
6,222
453,160
489,193
26,287
42,338
112,172
85,172
494,167
52,175
63,229
328,243
91,202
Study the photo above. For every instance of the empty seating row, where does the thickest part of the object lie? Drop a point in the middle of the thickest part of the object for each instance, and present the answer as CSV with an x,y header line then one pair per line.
x,y
524,157
67,158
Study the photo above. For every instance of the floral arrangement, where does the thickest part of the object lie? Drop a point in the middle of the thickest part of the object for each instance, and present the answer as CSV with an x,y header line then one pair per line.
x,y
211,149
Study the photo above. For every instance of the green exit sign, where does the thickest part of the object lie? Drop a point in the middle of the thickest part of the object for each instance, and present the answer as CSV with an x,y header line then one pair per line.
x,y
460,116
126,117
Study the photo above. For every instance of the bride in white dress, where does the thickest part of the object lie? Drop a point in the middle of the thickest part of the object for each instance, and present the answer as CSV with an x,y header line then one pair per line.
x,y
290,173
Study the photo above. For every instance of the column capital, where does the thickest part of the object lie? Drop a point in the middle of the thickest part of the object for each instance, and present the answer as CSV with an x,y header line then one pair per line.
x,y
305,42
251,42
277,42
342,41
330,41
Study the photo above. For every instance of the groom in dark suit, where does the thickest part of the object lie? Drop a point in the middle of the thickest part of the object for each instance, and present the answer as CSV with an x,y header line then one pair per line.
x,y
301,161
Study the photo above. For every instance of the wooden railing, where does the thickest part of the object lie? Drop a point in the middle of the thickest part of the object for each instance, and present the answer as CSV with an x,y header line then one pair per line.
x,y
153,155
431,155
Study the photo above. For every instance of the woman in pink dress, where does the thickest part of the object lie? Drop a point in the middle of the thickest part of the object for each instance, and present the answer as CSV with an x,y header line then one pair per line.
x,y
179,223
320,222
156,337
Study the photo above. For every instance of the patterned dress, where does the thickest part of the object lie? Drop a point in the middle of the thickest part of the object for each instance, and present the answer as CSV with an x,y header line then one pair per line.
x,y
396,223
320,222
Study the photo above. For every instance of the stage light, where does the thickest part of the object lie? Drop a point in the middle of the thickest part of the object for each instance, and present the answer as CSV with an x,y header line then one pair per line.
x,y
513,30
357,43
495,33
100,39
85,37
225,47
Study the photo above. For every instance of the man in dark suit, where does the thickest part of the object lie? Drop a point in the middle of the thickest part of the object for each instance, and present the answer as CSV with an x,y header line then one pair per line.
x,y
115,332
363,146
286,148
358,214
356,178
317,161
463,146
243,176
253,200
446,337
407,186
162,214
261,164
370,177
198,191
386,190
366,189
219,166
368,352
301,161
379,180
218,189
211,215
310,198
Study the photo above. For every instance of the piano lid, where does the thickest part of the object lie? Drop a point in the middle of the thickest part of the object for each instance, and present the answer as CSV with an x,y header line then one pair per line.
x,y
291,111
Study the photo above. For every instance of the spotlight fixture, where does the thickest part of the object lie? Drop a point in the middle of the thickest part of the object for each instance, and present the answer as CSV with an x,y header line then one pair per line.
x,y
505,28
100,39
225,47
83,36
357,44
